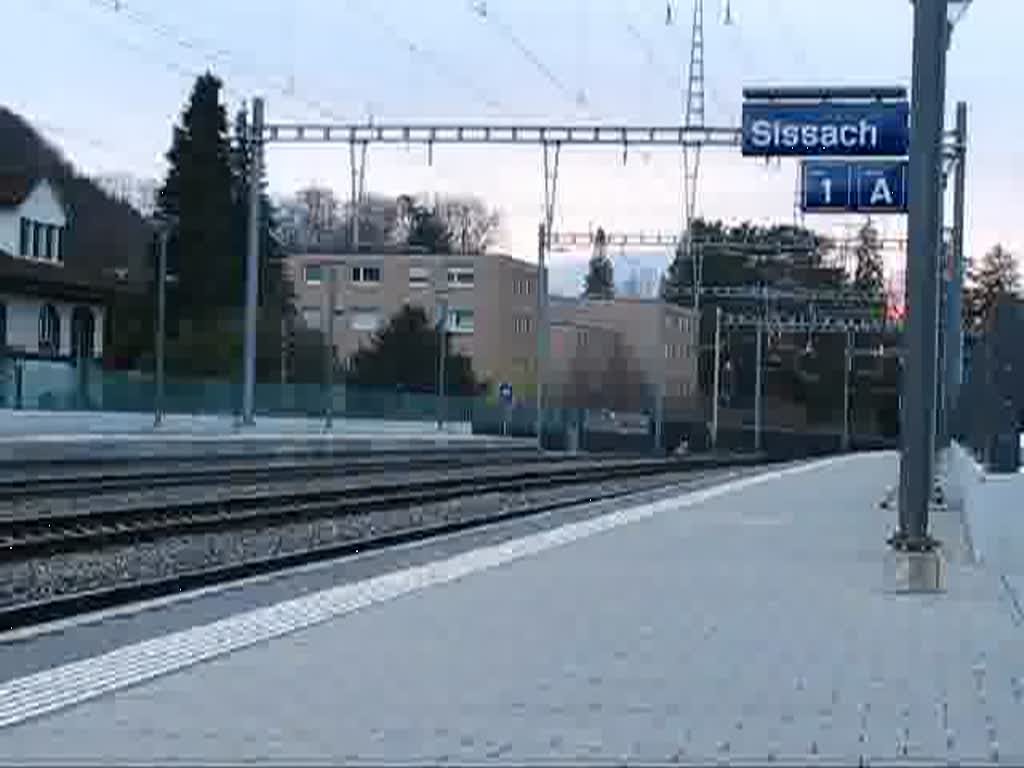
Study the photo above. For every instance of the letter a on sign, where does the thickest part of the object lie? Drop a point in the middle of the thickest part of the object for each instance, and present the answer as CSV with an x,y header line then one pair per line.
x,y
880,192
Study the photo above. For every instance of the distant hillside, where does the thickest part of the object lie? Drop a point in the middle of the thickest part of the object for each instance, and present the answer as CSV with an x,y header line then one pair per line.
x,y
103,234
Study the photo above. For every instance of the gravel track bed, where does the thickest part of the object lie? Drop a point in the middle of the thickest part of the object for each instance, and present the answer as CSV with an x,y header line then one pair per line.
x,y
68,573
171,497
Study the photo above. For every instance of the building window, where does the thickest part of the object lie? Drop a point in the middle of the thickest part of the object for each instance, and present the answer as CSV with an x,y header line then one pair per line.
x,y
49,330
37,239
523,325
365,274
313,274
522,287
583,338
59,234
419,277
365,320
460,277
24,243
460,321
3,325
49,250
311,317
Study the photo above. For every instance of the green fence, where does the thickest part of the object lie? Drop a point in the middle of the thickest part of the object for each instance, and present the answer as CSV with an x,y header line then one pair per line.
x,y
60,385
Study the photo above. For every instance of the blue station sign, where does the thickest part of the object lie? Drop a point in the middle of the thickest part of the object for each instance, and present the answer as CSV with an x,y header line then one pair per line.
x,y
875,128
854,187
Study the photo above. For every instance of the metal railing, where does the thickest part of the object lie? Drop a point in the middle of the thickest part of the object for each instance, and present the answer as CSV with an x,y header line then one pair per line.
x,y
989,414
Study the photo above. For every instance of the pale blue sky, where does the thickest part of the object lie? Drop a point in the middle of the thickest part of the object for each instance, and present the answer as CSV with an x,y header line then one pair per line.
x,y
106,85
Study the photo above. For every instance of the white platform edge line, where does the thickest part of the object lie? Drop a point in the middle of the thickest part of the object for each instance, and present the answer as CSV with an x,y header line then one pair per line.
x,y
79,681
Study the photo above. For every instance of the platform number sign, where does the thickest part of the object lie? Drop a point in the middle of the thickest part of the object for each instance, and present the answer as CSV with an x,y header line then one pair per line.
x,y
881,187
505,391
859,187
826,186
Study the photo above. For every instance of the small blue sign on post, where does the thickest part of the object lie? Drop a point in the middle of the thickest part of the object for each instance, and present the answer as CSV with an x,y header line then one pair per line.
x,y
827,186
854,187
868,128
505,391
881,187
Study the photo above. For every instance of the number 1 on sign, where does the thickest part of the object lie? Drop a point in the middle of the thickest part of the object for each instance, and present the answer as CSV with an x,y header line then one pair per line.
x,y
826,183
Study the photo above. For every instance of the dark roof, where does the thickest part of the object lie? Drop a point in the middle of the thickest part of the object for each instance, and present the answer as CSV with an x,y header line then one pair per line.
x,y
14,188
59,282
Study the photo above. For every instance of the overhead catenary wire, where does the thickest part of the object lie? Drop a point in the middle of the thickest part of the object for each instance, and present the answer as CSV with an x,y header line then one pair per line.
x,y
170,64
483,10
212,53
431,58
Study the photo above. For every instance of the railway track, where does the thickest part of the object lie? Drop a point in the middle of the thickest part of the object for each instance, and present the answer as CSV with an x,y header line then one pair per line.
x,y
41,534
20,482
499,491
79,601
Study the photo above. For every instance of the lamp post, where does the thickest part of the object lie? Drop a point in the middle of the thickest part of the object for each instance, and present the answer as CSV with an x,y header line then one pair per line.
x,y
715,377
164,225
330,305
442,354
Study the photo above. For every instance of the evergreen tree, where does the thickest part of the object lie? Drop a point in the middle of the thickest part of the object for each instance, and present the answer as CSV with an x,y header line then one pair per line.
x,y
869,275
198,192
404,355
600,279
677,278
996,276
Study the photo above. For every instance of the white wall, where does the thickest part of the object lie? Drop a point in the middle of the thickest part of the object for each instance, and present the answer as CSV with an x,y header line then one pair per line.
x,y
993,511
23,323
9,230
41,205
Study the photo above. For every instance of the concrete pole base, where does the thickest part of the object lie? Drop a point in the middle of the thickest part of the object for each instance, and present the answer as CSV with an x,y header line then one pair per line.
x,y
913,572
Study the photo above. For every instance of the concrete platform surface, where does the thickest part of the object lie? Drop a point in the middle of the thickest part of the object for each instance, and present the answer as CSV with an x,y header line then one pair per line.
x,y
47,435
735,624
42,423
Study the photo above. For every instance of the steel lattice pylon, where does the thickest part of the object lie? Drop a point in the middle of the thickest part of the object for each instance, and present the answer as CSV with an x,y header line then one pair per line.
x,y
693,117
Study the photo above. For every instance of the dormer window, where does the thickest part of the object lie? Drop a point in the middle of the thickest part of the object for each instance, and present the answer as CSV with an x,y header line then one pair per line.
x,y
34,219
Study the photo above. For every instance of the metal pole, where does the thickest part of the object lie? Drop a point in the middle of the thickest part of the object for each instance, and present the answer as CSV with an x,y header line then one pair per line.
x,y
542,288
847,359
252,261
442,355
954,303
161,327
659,395
332,286
942,277
757,389
355,197
918,401
716,374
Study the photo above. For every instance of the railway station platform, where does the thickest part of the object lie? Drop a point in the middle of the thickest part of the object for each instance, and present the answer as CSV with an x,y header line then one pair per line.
x,y
737,622
81,434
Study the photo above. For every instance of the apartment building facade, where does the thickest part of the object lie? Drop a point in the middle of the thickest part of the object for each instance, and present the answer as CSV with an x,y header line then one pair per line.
x,y
595,346
491,304
659,343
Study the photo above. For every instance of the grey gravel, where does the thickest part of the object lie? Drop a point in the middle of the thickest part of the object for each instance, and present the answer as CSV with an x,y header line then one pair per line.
x,y
179,496
37,579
